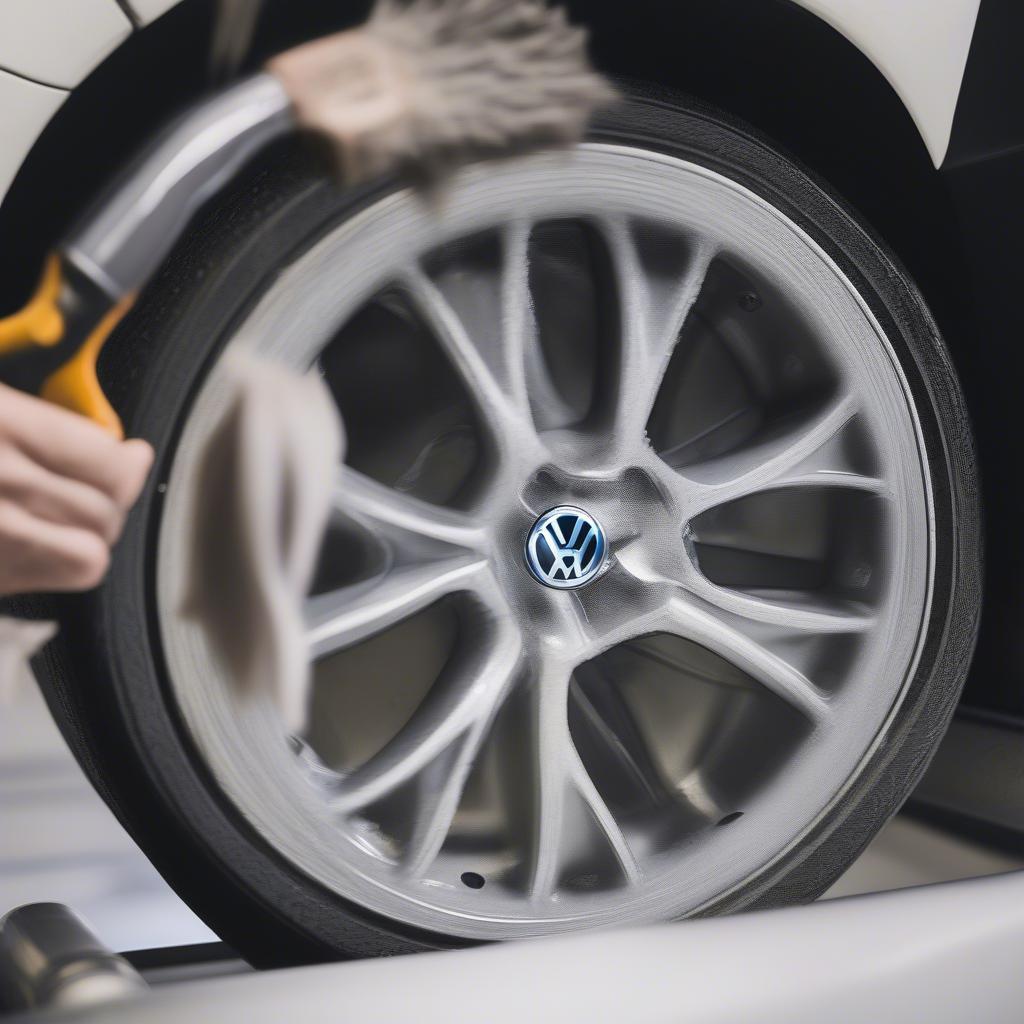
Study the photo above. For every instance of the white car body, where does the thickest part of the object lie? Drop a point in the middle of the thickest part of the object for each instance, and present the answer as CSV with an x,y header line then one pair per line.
x,y
48,46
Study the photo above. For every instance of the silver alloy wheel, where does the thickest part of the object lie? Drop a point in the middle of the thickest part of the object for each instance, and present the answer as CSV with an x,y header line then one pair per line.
x,y
489,757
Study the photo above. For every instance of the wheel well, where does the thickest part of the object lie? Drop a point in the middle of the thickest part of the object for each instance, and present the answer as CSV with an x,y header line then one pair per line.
x,y
768,62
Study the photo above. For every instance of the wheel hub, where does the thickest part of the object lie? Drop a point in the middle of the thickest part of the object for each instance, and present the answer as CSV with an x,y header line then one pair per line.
x,y
606,547
566,548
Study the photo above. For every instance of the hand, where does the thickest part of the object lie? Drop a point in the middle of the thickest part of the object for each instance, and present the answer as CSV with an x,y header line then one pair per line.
x,y
65,489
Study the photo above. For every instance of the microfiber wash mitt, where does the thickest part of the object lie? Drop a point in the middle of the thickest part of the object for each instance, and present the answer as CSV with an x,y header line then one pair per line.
x,y
259,510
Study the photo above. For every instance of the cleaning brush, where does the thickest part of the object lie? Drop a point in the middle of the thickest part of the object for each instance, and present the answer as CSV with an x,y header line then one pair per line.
x,y
420,88
434,84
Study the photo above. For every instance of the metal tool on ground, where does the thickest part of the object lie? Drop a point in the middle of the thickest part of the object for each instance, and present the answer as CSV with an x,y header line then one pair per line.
x,y
420,88
50,959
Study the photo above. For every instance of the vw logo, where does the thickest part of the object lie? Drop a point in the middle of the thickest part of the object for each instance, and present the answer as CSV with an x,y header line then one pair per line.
x,y
565,548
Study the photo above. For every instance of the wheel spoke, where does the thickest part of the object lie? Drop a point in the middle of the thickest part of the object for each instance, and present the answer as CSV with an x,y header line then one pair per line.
x,y
529,382
439,798
836,478
652,320
562,779
583,784
812,615
464,701
401,516
430,552
623,744
680,616
790,458
685,619
499,409
551,739
341,618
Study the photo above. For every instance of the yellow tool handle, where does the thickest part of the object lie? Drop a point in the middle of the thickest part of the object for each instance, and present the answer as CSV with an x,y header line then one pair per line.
x,y
41,321
50,347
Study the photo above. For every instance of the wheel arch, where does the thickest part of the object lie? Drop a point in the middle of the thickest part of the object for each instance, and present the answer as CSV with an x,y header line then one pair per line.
x,y
811,90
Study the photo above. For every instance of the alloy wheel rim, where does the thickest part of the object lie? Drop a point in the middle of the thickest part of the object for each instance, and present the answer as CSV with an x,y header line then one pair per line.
x,y
575,764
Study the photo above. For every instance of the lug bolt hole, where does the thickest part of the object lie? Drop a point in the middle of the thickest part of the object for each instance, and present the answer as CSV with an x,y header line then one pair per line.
x,y
472,880
727,820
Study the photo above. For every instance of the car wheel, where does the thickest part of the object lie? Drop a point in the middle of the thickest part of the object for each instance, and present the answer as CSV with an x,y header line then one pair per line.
x,y
702,684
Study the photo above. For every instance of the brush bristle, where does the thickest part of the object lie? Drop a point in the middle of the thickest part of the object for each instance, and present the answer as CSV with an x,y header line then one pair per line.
x,y
451,81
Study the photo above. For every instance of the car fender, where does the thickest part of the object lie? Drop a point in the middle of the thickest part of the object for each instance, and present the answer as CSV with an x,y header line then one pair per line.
x,y
920,46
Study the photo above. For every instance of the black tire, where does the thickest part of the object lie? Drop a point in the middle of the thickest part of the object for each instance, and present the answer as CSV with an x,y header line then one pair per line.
x,y
104,676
